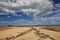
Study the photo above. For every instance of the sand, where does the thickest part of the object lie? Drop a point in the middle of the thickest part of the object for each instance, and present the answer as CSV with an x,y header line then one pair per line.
x,y
29,33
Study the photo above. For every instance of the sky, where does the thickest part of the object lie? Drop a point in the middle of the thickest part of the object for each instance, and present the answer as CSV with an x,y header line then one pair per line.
x,y
30,12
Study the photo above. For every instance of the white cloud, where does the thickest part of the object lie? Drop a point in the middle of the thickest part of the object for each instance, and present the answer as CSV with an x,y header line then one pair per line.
x,y
34,8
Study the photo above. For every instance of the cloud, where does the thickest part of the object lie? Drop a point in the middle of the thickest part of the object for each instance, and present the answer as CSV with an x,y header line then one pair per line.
x,y
38,9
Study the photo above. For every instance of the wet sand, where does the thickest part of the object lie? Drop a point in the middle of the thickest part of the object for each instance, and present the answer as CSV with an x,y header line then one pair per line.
x,y
30,33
